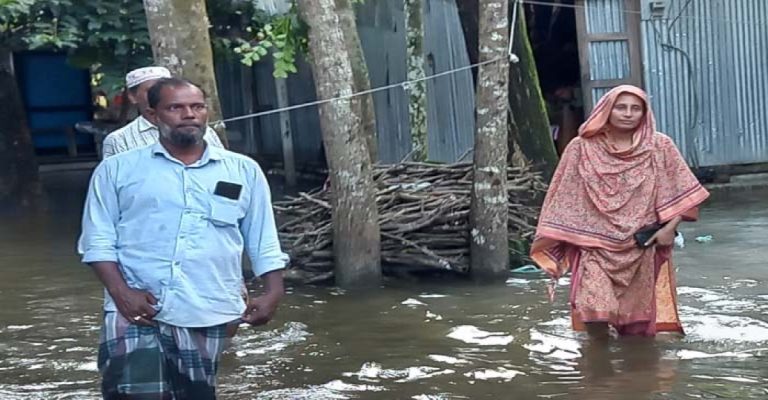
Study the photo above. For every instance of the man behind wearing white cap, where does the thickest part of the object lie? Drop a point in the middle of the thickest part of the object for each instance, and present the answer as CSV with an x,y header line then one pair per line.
x,y
141,132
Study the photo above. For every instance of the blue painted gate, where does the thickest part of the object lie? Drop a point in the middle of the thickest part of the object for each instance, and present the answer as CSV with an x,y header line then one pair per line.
x,y
56,96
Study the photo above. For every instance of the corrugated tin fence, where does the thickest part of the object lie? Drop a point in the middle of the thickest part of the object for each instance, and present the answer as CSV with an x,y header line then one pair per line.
x,y
704,65
381,24
706,70
382,32
451,98
244,90
609,36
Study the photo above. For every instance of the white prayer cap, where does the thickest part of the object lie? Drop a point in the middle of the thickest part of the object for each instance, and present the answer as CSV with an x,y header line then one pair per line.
x,y
141,75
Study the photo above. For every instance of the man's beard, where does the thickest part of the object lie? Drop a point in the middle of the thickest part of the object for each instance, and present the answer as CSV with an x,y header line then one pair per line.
x,y
180,137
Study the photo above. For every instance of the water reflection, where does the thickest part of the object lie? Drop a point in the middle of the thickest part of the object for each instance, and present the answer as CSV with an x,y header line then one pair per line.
x,y
635,368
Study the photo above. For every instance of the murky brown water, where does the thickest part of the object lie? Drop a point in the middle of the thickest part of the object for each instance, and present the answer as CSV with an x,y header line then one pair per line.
x,y
410,341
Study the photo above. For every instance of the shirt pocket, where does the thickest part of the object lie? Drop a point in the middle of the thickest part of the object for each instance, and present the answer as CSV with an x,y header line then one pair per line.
x,y
225,212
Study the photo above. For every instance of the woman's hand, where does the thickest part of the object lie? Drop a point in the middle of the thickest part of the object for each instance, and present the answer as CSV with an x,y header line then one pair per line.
x,y
664,237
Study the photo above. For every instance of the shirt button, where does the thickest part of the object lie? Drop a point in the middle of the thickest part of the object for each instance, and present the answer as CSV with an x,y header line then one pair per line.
x,y
176,263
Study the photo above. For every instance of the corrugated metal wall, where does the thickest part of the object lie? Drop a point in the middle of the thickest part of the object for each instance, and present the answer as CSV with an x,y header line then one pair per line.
x,y
451,98
381,24
608,37
244,90
305,122
609,60
605,16
235,94
706,70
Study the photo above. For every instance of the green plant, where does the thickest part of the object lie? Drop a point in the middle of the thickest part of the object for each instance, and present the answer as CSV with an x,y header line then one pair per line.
x,y
284,36
30,24
115,40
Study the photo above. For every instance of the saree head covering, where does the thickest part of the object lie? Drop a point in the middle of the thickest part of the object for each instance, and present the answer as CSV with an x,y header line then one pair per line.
x,y
599,197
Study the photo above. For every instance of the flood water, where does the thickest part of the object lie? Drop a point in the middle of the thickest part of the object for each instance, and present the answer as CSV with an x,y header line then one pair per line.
x,y
410,340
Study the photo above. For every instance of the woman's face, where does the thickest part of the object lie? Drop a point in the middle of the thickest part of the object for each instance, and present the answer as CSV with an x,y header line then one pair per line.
x,y
627,112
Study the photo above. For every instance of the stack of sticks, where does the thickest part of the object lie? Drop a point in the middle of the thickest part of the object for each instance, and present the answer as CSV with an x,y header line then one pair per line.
x,y
423,215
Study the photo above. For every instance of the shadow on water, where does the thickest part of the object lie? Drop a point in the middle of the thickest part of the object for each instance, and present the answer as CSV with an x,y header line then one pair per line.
x,y
425,342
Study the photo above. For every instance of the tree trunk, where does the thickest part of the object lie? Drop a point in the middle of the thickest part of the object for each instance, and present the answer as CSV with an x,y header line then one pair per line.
x,y
362,81
19,180
488,213
417,106
529,123
286,132
178,30
356,236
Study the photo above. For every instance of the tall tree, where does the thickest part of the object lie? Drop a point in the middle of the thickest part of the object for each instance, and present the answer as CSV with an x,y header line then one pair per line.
x,y
529,137
362,81
417,106
356,236
529,123
178,30
489,209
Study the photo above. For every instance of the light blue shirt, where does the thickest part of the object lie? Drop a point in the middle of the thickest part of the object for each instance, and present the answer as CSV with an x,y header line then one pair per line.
x,y
161,222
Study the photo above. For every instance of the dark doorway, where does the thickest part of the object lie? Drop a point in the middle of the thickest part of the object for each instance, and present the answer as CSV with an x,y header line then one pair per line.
x,y
554,39
553,36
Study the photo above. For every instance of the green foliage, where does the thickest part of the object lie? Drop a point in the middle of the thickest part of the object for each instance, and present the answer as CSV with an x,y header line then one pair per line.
x,y
110,37
117,25
11,12
284,36
229,20
115,40
31,24
107,36
53,25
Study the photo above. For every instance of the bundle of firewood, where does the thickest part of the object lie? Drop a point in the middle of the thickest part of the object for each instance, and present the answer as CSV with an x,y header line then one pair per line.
x,y
423,215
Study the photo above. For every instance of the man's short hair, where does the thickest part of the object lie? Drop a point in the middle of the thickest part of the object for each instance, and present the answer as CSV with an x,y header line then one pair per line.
x,y
153,95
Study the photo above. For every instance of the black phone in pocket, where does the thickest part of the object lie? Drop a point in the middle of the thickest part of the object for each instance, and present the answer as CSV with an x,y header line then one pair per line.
x,y
228,189
645,234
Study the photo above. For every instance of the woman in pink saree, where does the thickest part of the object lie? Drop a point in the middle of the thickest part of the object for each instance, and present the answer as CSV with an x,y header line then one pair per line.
x,y
616,178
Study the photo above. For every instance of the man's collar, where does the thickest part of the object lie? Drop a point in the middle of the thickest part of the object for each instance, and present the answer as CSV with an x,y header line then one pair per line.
x,y
213,152
159,150
210,153
144,124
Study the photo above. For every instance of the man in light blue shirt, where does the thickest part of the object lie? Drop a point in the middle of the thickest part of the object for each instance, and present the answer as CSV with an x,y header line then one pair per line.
x,y
164,228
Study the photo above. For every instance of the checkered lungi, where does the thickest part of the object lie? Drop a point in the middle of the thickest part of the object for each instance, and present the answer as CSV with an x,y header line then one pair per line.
x,y
162,362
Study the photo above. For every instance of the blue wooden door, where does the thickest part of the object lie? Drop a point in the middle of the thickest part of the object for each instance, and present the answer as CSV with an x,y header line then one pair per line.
x,y
56,97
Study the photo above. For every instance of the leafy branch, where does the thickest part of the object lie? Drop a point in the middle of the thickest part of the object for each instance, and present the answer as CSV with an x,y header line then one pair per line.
x,y
284,36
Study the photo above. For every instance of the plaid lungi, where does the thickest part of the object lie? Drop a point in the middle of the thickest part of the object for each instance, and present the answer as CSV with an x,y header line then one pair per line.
x,y
159,362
